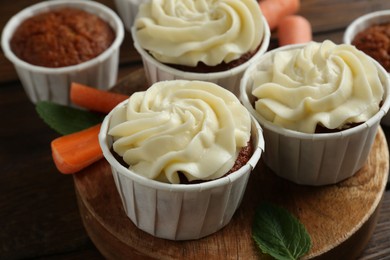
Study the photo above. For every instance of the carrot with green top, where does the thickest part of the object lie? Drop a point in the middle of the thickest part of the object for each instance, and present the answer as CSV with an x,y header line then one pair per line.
x,y
72,153
94,99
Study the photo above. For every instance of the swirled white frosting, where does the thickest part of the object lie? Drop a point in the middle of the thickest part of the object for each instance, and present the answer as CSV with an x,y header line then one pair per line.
x,y
321,83
193,127
186,32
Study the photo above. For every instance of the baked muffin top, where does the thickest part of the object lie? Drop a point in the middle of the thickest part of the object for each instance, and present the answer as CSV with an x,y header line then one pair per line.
x,y
61,37
375,41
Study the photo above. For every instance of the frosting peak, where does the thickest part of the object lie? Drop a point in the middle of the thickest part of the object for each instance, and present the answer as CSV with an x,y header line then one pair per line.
x,y
193,127
319,84
190,31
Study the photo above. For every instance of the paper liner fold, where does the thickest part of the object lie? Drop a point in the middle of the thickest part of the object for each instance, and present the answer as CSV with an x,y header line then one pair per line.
x,y
127,10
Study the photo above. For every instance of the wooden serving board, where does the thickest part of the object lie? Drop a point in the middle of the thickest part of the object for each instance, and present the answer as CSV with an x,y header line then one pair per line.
x,y
340,218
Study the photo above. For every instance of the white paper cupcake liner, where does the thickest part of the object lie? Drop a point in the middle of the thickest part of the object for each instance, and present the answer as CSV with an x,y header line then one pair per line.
x,y
156,71
361,23
53,84
315,159
127,10
180,211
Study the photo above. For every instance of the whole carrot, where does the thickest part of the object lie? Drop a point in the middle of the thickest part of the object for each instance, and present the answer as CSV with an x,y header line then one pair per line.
x,y
275,10
294,29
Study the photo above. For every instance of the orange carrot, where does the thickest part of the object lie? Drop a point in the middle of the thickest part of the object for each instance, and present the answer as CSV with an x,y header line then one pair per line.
x,y
94,99
275,10
294,29
72,153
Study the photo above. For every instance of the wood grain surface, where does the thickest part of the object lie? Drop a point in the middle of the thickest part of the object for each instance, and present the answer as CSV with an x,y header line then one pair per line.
x,y
339,218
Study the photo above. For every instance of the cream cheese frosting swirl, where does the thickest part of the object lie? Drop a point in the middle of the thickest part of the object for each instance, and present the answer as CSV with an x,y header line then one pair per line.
x,y
193,127
185,32
321,83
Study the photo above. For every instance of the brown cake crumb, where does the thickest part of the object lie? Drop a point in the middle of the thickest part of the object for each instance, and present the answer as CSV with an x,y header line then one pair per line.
x,y
375,42
323,130
243,157
203,68
61,37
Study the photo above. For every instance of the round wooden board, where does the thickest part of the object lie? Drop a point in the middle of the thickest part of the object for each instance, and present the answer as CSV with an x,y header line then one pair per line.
x,y
340,218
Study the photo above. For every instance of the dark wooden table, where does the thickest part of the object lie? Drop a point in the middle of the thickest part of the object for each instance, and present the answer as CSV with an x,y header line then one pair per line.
x,y
39,217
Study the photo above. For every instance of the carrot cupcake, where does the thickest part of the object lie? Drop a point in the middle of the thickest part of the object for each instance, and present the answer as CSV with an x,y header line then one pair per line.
x,y
179,141
61,37
320,105
54,43
370,33
200,40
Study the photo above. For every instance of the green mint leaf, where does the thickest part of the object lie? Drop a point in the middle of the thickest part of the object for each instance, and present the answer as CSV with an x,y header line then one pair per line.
x,y
278,233
64,119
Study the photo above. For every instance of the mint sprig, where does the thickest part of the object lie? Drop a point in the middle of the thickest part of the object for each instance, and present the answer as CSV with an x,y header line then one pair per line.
x,y
278,233
64,119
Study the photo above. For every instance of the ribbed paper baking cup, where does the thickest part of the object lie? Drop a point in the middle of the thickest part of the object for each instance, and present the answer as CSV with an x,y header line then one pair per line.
x,y
180,211
156,71
315,159
361,23
127,10
53,84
